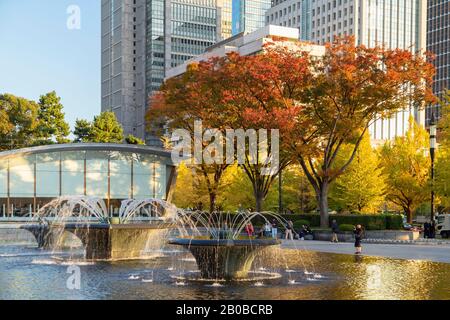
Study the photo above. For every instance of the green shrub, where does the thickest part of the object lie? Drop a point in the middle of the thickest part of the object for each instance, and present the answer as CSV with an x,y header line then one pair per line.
x,y
299,223
346,227
394,222
369,222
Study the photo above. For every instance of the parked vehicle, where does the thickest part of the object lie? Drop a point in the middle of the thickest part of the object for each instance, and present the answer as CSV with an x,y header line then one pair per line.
x,y
443,225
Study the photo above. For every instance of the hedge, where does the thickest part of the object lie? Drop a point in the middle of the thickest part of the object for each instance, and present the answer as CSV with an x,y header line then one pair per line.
x,y
369,222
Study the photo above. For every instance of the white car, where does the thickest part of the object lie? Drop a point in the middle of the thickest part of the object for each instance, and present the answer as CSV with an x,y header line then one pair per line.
x,y
443,225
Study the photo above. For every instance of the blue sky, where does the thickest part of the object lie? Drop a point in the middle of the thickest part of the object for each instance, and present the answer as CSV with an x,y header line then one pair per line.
x,y
39,53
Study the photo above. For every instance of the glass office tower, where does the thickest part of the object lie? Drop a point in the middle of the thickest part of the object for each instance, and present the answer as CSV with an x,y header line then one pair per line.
x,y
141,39
249,15
438,42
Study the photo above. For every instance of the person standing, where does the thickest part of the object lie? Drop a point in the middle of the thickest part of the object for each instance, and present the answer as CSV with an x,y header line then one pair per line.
x,y
358,231
249,229
426,230
274,229
267,229
334,230
289,232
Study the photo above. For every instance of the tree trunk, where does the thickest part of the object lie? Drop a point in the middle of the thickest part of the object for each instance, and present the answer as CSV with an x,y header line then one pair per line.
x,y
212,202
322,199
259,198
408,215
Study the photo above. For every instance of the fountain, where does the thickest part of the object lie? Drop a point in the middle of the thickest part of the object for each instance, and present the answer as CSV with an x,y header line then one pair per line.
x,y
220,251
216,240
103,237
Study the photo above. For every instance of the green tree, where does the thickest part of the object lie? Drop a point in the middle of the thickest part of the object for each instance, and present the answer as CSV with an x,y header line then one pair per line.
x,y
130,139
52,126
361,187
406,165
82,131
19,121
442,178
5,125
106,129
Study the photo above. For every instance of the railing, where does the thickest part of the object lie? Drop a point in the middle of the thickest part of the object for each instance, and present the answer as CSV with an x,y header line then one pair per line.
x,y
68,219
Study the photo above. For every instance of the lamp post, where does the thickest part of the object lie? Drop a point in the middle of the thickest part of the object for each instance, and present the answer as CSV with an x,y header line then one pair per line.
x,y
432,155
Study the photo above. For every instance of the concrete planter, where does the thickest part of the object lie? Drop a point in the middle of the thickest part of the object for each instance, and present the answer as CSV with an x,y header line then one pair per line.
x,y
392,235
114,220
344,236
347,236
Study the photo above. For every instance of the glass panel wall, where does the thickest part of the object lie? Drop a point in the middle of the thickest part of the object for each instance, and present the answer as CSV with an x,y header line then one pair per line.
x,y
120,175
35,180
72,173
160,181
97,174
47,175
3,179
143,168
21,172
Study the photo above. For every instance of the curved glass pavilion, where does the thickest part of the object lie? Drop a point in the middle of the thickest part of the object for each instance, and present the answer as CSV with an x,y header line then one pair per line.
x,y
31,177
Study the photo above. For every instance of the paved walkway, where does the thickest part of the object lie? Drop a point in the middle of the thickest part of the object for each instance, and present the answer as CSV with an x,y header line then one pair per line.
x,y
436,253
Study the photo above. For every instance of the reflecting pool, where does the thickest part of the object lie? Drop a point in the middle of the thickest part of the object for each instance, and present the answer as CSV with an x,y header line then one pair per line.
x,y
31,273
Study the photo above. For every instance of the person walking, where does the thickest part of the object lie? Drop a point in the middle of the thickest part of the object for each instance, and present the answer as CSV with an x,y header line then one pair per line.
x,y
358,231
289,230
334,230
274,229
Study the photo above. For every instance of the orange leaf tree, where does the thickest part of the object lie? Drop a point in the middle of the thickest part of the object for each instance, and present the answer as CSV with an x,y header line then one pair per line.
x,y
192,96
351,87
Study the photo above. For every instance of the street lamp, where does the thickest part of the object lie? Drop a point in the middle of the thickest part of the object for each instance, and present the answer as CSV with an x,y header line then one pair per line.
x,y
432,155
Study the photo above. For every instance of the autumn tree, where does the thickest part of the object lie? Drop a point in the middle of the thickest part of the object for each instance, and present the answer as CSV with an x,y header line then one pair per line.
x,y
260,95
361,187
442,179
406,165
52,127
19,121
182,100
190,189
350,88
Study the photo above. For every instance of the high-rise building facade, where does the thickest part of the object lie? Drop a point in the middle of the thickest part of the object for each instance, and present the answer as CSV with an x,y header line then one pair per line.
x,y
141,39
225,16
438,42
249,15
291,13
123,62
392,23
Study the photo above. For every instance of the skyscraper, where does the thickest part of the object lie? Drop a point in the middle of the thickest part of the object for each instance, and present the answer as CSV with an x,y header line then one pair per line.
x,y
225,16
392,23
438,42
249,15
141,39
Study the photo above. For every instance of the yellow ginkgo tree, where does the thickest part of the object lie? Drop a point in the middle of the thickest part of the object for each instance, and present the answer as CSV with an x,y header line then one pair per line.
x,y
406,163
442,182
